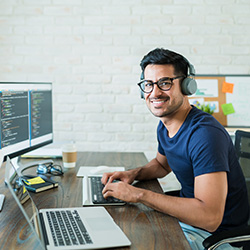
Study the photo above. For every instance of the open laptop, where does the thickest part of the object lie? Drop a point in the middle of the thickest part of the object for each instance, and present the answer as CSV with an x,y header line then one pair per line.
x,y
66,228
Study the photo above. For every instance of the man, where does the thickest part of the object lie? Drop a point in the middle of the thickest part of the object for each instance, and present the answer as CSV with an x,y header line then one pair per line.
x,y
193,145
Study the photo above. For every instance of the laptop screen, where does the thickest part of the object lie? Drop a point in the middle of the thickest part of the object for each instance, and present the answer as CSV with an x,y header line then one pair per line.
x,y
22,197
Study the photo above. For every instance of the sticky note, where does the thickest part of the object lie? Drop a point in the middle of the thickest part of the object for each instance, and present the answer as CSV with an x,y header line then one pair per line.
x,y
227,108
227,87
36,180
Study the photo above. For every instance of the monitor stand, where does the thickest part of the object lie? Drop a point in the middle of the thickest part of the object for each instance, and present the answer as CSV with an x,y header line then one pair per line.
x,y
21,167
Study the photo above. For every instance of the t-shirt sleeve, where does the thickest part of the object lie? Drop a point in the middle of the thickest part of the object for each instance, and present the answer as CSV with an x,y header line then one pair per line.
x,y
209,150
160,148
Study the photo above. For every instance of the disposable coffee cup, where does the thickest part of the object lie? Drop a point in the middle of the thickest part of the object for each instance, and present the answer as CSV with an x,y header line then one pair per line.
x,y
69,155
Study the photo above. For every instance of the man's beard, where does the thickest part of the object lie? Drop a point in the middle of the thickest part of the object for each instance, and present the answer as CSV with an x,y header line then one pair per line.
x,y
171,109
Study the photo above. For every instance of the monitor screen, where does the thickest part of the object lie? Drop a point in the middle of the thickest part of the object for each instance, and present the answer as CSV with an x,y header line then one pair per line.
x,y
26,117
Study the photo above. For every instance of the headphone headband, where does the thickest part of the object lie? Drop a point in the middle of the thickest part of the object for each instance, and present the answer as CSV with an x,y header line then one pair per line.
x,y
191,69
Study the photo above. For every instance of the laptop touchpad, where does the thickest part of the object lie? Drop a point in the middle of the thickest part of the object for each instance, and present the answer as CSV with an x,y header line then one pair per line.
x,y
101,223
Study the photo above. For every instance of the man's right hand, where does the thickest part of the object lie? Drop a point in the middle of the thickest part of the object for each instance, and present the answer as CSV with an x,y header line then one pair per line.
x,y
125,176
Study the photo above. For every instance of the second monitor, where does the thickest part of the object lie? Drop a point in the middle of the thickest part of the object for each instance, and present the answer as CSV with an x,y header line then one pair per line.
x,y
26,117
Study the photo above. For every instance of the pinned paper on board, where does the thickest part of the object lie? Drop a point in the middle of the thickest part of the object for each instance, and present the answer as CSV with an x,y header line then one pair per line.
x,y
227,87
227,108
196,101
200,103
207,88
214,106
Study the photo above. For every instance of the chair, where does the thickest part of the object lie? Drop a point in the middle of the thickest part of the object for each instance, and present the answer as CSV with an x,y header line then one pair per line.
x,y
242,146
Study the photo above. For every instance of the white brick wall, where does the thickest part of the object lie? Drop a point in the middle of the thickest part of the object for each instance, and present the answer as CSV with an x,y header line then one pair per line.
x,y
91,51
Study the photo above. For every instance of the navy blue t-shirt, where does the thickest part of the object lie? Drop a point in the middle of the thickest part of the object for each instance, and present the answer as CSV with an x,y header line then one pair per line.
x,y
202,146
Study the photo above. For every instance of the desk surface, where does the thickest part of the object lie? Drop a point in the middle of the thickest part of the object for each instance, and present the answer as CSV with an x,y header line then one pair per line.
x,y
145,227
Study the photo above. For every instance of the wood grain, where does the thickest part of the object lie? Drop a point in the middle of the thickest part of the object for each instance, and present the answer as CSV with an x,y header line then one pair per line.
x,y
145,227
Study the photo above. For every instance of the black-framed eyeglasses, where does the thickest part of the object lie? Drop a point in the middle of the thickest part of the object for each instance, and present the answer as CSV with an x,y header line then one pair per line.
x,y
164,84
50,169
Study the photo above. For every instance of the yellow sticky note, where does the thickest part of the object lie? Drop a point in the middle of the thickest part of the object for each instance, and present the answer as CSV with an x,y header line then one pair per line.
x,y
227,87
227,108
36,180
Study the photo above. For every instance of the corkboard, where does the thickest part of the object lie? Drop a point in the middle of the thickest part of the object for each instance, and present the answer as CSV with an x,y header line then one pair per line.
x,y
240,99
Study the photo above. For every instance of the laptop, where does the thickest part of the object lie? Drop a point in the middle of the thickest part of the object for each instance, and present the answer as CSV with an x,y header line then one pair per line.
x,y
66,228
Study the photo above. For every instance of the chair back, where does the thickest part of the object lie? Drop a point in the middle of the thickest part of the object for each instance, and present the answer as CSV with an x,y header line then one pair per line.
x,y
242,146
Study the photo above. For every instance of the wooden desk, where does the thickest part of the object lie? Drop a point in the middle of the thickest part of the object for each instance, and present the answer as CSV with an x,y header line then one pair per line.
x,y
146,228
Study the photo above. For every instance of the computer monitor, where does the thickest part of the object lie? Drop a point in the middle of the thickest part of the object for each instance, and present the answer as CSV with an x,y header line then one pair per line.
x,y
26,117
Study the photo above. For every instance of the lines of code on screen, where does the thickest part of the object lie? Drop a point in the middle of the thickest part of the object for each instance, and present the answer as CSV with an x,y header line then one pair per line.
x,y
41,113
14,117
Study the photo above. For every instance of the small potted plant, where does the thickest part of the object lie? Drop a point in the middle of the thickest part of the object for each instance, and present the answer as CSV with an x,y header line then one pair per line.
x,y
206,108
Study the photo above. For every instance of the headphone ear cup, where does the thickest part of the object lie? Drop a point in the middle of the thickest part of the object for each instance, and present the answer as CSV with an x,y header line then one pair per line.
x,y
188,86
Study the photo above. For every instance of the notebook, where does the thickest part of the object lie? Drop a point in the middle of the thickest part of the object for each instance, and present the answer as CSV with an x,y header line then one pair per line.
x,y
38,184
92,187
66,228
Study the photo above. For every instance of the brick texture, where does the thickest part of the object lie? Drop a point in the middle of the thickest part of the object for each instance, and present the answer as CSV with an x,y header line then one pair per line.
x,y
91,51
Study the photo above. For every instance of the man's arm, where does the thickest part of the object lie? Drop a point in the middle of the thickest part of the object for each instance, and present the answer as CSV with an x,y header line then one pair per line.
x,y
206,210
156,168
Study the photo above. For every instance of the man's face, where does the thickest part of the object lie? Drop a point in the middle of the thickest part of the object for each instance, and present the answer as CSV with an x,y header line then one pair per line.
x,y
163,103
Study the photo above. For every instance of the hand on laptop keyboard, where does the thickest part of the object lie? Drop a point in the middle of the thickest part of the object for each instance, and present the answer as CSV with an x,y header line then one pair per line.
x,y
123,191
97,196
124,176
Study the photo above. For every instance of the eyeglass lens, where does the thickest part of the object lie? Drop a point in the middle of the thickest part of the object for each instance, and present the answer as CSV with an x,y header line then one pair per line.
x,y
148,86
56,170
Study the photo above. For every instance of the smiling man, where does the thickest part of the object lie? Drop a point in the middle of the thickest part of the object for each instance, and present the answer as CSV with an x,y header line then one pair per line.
x,y
193,145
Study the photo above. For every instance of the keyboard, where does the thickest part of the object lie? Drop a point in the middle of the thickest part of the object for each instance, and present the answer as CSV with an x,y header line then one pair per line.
x,y
67,228
96,190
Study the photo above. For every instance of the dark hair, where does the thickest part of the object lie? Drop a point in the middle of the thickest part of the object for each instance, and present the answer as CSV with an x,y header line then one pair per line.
x,y
163,56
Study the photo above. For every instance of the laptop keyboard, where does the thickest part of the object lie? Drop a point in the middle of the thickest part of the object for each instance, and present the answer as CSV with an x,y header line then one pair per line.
x,y
96,190
67,228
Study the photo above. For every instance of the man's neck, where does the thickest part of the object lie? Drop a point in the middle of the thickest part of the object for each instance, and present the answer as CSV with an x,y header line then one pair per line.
x,y
174,121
